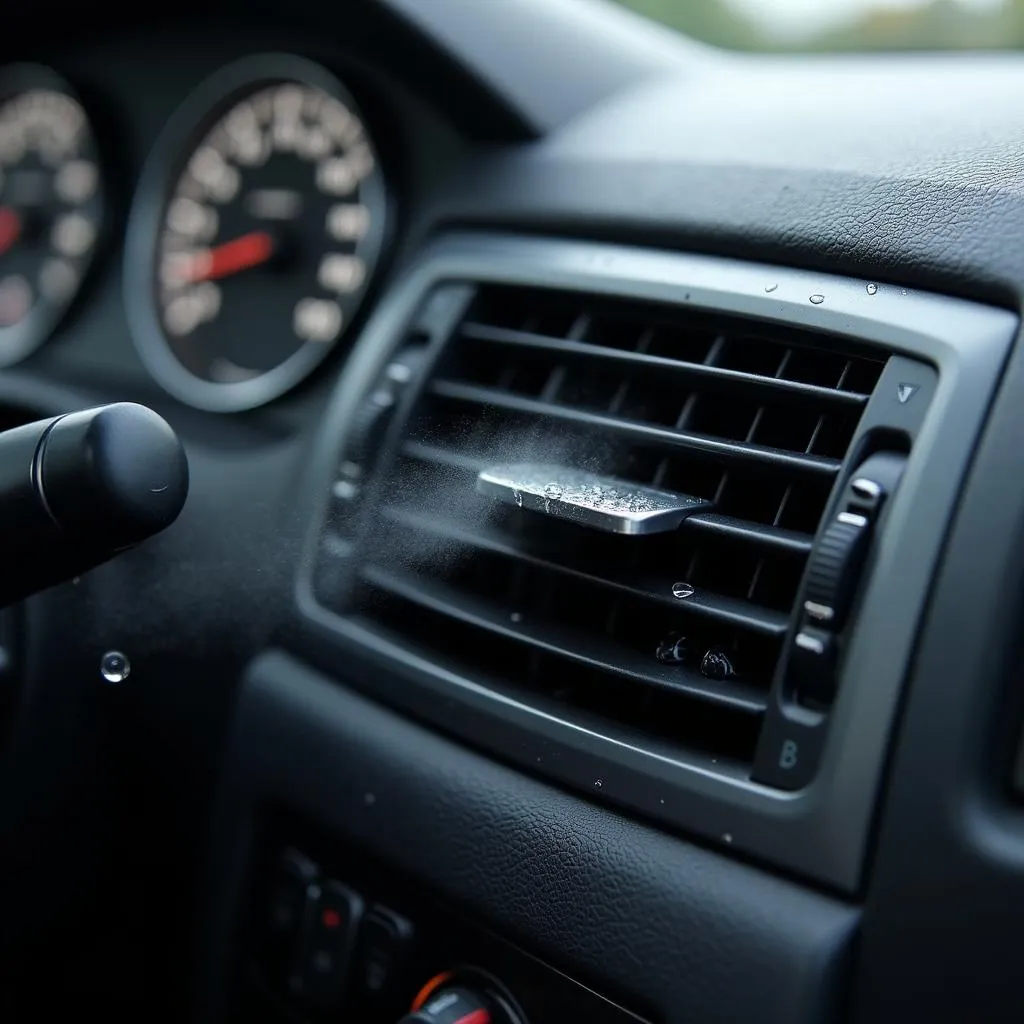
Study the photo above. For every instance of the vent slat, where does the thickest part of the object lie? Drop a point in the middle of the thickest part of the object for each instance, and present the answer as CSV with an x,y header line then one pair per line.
x,y
707,374
770,538
702,444
762,621
592,651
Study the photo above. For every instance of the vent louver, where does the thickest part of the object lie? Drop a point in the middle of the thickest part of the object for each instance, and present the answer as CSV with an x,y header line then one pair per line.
x,y
674,636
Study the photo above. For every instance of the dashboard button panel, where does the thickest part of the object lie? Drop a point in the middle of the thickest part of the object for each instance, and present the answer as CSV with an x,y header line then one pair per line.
x,y
332,916
374,948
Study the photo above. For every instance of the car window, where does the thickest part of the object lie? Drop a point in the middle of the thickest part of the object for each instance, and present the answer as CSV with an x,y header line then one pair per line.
x,y
856,25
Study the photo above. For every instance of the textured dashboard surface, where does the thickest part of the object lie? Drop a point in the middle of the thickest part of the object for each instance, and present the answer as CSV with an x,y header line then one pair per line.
x,y
908,170
947,879
598,894
911,169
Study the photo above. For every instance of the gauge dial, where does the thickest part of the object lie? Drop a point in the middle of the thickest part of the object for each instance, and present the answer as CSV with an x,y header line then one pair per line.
x,y
51,206
267,231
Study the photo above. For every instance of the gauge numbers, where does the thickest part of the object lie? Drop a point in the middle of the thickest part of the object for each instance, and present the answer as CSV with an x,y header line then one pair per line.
x,y
50,206
268,234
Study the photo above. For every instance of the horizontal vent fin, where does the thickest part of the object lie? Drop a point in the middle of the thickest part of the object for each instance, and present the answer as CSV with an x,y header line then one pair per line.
x,y
673,636
588,650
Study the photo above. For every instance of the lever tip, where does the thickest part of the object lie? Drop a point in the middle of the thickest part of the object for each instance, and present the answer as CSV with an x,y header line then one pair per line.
x,y
120,467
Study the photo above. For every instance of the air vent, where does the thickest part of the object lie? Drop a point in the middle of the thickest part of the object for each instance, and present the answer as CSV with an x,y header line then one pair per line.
x,y
670,638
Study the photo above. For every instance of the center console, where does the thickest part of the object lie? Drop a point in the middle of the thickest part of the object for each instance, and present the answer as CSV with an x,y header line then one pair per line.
x,y
365,867
332,934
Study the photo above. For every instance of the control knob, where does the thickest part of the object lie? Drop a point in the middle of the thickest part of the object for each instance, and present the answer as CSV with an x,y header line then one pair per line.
x,y
465,997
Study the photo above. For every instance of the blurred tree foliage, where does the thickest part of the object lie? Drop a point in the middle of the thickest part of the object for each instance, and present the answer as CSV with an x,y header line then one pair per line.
x,y
939,25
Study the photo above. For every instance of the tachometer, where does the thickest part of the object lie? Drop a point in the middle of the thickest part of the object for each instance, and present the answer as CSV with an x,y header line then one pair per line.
x,y
51,205
255,234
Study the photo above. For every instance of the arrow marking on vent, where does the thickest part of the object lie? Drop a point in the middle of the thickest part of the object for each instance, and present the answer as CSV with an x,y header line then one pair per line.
x,y
905,392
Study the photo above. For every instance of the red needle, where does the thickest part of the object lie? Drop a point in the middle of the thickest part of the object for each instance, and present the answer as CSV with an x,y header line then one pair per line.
x,y
10,228
231,257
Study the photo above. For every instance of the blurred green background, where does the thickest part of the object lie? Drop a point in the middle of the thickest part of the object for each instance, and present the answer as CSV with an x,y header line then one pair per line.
x,y
824,25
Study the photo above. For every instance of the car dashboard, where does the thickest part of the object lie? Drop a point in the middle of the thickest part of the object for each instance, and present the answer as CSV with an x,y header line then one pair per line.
x,y
597,596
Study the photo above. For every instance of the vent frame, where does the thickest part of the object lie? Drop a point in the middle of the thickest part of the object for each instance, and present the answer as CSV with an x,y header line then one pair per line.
x,y
821,831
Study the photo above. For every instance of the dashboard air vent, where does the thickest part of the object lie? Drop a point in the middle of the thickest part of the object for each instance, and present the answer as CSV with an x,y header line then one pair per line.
x,y
672,637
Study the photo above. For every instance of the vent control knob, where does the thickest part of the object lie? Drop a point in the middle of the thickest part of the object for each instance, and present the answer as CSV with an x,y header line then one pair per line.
x,y
833,578
835,568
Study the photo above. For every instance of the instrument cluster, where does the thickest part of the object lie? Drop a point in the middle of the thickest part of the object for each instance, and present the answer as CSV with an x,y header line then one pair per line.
x,y
254,234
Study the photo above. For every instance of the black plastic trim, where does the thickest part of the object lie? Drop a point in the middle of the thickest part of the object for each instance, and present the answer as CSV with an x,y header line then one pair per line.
x,y
943,927
631,911
821,831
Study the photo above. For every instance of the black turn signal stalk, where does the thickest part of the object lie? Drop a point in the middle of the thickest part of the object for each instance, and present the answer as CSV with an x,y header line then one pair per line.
x,y
77,489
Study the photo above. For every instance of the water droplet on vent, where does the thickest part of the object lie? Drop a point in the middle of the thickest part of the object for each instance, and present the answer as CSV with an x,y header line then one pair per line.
x,y
682,591
673,649
716,665
516,616
727,836
598,783
115,667
518,497
552,491
872,289
817,299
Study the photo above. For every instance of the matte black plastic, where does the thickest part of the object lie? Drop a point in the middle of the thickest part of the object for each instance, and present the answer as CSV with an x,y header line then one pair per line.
x,y
823,831
791,748
943,927
609,900
77,489
410,942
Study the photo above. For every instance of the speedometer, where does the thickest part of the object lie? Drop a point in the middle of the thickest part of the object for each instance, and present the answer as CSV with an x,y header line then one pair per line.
x,y
51,205
255,233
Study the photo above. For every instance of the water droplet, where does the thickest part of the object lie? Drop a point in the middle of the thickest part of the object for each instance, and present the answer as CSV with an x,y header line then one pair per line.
x,y
76,580
903,291
518,498
516,616
673,650
716,665
872,289
552,491
770,287
817,299
598,783
682,591
115,667
369,799
727,836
